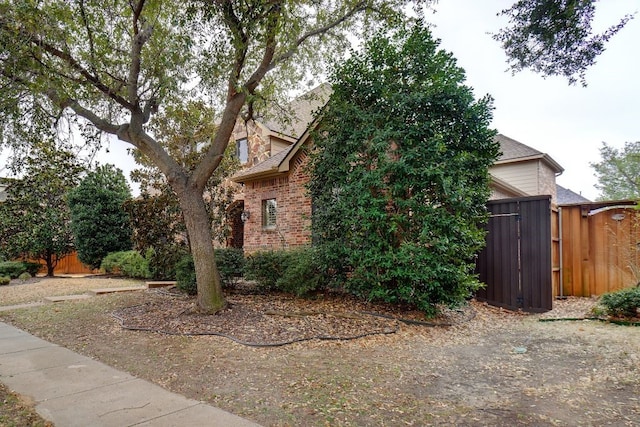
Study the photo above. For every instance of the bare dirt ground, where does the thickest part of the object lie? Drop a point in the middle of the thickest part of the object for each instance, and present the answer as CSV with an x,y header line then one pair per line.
x,y
492,367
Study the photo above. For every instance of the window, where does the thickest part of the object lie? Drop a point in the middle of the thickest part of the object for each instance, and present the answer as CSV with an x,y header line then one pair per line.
x,y
269,208
242,150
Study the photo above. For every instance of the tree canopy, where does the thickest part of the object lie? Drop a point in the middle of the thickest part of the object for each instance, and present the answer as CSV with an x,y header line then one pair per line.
x,y
618,172
99,222
400,172
554,37
113,66
35,218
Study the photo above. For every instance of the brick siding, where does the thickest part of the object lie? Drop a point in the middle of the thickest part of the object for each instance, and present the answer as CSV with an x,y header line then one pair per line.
x,y
293,214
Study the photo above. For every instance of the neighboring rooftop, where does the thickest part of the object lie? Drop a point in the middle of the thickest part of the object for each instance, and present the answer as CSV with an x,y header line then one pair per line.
x,y
568,197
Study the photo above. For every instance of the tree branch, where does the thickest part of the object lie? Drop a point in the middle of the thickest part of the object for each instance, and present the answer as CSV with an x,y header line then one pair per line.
x,y
75,65
140,37
98,122
240,42
357,8
267,62
85,21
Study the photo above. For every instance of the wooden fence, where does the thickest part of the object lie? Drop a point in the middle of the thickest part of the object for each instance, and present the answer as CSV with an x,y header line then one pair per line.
x,y
68,265
600,248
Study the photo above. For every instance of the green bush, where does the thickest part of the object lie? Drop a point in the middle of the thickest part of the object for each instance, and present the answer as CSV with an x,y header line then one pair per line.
x,y
266,268
4,280
303,274
32,268
127,263
162,261
14,269
623,303
25,276
186,275
296,271
111,263
230,263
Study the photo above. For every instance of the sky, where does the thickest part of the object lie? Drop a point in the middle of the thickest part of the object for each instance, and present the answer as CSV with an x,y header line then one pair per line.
x,y
569,123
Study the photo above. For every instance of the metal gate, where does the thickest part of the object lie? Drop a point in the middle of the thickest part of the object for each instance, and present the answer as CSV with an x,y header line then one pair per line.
x,y
516,262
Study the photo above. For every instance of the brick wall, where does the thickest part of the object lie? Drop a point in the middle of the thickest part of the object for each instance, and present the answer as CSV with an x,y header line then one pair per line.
x,y
293,214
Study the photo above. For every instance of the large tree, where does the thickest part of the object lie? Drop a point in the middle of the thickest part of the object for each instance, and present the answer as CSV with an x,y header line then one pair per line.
x,y
98,220
400,173
618,172
554,37
185,131
114,65
35,218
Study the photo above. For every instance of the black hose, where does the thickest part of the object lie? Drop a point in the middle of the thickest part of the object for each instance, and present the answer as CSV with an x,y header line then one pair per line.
x,y
252,344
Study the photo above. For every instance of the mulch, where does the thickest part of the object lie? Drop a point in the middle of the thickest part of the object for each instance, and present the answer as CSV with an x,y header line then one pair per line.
x,y
274,320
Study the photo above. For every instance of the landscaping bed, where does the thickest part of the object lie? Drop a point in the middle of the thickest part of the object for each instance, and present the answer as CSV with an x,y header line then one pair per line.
x,y
490,367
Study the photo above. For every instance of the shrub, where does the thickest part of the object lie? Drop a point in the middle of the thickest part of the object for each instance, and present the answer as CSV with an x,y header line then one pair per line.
x,y
32,268
127,263
623,303
4,280
111,263
162,261
14,269
186,275
135,265
303,274
25,276
230,263
266,268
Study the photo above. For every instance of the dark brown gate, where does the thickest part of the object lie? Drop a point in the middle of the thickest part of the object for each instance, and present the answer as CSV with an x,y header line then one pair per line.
x,y
516,262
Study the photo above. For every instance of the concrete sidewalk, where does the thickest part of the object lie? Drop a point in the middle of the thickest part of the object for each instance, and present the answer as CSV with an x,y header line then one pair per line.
x,y
73,390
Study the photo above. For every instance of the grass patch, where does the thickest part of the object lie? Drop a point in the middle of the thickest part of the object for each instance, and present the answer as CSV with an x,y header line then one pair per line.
x,y
16,412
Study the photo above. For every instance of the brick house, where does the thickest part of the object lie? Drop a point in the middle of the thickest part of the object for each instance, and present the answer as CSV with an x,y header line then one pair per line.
x,y
273,211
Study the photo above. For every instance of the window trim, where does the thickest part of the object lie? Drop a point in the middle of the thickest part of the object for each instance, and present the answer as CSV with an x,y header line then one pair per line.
x,y
269,213
239,144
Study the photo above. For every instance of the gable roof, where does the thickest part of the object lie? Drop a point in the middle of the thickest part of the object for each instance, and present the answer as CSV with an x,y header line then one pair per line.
x,y
295,117
309,105
513,151
265,168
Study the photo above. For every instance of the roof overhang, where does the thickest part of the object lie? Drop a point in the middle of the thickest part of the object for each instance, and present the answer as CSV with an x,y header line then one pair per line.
x,y
505,187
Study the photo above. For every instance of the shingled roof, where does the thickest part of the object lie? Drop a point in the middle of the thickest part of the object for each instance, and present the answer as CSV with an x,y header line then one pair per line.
x,y
514,151
568,197
296,117
306,105
267,167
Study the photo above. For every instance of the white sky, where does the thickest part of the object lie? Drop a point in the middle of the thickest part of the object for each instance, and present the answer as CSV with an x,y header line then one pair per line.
x,y
567,122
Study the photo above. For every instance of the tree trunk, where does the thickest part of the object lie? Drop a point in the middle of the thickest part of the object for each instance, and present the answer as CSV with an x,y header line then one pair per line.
x,y
50,265
210,298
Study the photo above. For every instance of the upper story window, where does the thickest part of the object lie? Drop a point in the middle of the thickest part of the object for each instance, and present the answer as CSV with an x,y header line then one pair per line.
x,y
269,208
242,150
